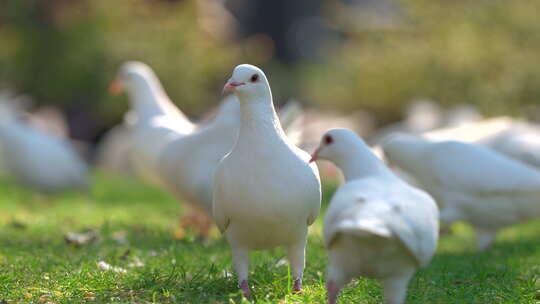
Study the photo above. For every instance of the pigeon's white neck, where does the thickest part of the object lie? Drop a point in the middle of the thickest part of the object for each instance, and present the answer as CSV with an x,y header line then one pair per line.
x,y
148,97
228,114
357,161
258,116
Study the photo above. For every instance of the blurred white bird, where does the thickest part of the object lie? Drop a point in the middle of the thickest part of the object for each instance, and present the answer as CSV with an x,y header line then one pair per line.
x,y
187,163
37,160
515,138
421,115
266,193
462,114
470,183
157,120
424,115
377,225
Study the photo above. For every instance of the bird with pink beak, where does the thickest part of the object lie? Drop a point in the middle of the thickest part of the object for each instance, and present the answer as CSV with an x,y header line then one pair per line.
x,y
266,193
376,226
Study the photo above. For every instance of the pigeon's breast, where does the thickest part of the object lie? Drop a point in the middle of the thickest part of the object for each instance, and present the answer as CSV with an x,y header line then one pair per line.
x,y
269,200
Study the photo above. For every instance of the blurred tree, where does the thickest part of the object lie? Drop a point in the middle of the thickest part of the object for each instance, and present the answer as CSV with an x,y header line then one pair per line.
x,y
481,52
167,35
58,54
66,52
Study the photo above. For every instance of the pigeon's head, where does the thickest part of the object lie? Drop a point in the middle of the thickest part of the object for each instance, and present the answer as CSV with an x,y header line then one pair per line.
x,y
131,75
334,144
247,82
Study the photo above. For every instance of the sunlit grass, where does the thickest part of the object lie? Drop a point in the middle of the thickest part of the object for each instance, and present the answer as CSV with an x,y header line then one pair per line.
x,y
37,266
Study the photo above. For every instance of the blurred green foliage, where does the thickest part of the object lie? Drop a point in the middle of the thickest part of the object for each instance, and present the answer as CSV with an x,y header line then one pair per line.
x,y
66,52
55,50
483,52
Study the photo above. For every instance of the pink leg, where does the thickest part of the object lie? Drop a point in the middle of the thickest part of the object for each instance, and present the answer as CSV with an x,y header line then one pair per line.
x,y
333,291
296,254
245,288
201,223
297,287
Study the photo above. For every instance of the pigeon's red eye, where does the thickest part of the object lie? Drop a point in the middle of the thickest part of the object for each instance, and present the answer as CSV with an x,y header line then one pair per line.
x,y
254,77
328,140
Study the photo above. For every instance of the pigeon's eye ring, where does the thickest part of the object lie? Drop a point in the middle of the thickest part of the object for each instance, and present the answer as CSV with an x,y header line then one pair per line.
x,y
328,140
254,77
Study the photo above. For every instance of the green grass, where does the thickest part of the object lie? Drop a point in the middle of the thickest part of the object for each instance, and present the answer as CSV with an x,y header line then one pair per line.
x,y
37,266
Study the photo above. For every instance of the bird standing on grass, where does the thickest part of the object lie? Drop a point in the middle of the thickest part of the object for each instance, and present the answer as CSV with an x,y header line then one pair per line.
x,y
38,161
171,151
470,183
266,193
377,225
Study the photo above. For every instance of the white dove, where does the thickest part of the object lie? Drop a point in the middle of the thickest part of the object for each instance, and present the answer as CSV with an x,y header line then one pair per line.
x,y
169,150
266,193
470,183
157,120
187,164
37,160
377,225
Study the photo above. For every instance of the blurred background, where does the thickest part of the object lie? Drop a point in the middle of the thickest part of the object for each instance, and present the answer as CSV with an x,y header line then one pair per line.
x,y
369,56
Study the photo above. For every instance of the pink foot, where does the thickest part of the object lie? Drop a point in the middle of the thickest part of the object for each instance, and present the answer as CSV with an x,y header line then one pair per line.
x,y
332,292
297,287
245,288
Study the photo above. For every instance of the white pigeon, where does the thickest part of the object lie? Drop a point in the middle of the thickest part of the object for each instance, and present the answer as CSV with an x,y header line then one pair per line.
x,y
376,225
266,193
470,183
170,150
187,164
157,120
37,160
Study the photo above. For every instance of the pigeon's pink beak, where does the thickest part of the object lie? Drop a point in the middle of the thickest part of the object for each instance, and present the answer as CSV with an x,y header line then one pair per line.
x,y
315,155
230,86
116,87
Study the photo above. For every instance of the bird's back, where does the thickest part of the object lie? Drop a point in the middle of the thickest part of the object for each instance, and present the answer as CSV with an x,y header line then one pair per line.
x,y
379,215
481,186
43,162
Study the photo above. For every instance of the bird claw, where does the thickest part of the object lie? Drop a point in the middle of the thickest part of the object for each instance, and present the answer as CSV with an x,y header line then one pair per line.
x,y
245,288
